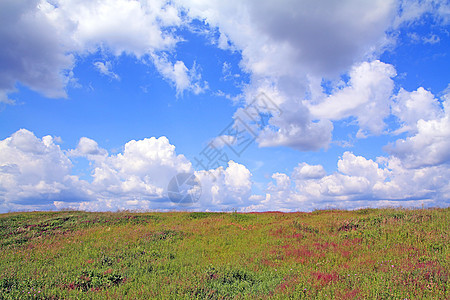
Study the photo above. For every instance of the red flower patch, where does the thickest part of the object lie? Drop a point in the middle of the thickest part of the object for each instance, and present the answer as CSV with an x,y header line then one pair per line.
x,y
323,279
299,254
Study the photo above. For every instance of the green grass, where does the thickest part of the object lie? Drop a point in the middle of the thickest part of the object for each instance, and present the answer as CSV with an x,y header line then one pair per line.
x,y
333,254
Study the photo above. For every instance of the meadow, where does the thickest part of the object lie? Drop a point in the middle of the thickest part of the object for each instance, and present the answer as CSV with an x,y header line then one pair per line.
x,y
325,254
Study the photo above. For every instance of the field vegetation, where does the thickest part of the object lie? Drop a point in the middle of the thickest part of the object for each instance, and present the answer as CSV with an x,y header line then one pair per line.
x,y
328,254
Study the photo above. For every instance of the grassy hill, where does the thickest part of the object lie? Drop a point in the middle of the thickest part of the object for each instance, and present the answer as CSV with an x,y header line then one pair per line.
x,y
364,254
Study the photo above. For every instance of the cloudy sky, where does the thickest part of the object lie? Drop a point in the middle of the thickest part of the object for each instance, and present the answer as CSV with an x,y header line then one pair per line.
x,y
272,105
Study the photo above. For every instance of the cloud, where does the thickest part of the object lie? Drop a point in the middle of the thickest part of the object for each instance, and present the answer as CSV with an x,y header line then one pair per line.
x,y
430,146
284,48
366,96
283,45
143,170
120,26
34,172
224,140
43,38
88,148
305,171
180,75
105,68
431,39
315,61
32,52
281,37
415,173
412,11
358,182
282,121
410,107
224,188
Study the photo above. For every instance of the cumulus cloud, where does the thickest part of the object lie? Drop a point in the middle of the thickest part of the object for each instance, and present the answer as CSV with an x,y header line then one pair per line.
x,y
34,172
289,49
280,120
143,170
306,171
278,37
366,96
88,148
224,188
283,45
43,36
410,107
120,26
358,182
430,146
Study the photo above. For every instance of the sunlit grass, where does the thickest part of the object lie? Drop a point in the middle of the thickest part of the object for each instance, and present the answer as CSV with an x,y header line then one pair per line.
x,y
365,254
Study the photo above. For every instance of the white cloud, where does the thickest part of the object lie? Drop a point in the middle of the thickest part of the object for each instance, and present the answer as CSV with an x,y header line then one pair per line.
x,y
431,39
280,37
411,11
105,68
367,96
288,49
416,173
31,52
289,124
285,44
282,45
430,146
42,36
410,107
224,140
120,26
4,97
34,172
224,188
89,148
143,170
359,182
305,171
180,75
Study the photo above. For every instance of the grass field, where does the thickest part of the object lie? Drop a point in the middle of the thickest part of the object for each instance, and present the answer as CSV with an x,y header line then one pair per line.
x,y
363,254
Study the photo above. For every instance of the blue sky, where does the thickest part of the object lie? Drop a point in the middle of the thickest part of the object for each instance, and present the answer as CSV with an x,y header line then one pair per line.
x,y
102,103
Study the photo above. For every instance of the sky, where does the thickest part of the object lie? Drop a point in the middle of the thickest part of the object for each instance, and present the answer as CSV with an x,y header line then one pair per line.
x,y
210,105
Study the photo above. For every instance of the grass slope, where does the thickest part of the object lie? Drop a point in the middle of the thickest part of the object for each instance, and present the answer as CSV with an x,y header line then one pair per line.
x,y
364,254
